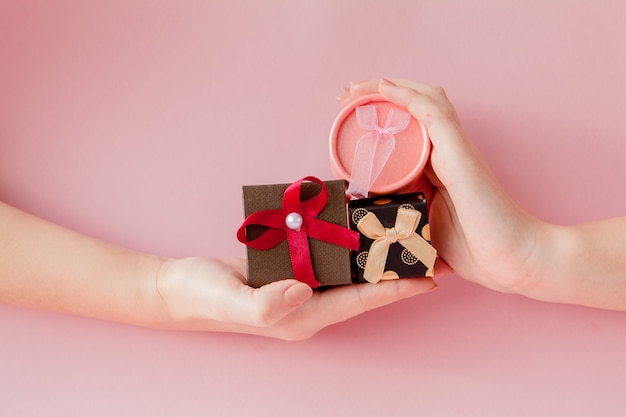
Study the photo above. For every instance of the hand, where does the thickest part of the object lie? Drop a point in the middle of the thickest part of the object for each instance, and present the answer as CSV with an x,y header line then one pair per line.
x,y
212,295
476,227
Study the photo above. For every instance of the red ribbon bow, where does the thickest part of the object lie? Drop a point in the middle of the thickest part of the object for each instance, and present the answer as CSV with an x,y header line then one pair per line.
x,y
279,229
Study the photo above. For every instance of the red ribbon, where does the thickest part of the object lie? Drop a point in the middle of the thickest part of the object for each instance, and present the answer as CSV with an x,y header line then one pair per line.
x,y
298,240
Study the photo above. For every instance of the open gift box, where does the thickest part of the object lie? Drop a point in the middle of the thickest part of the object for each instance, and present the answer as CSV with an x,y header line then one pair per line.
x,y
378,147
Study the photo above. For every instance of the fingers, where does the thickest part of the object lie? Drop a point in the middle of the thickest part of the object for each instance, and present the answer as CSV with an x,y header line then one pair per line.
x,y
342,303
442,268
357,89
428,104
290,310
344,96
454,159
293,305
271,303
371,297
362,88
339,304
297,294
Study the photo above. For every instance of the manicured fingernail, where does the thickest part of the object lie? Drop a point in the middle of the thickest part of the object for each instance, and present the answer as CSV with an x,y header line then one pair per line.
x,y
356,82
385,81
297,294
343,96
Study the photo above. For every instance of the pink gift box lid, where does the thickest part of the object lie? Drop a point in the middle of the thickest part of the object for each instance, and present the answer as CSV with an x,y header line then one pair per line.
x,y
407,161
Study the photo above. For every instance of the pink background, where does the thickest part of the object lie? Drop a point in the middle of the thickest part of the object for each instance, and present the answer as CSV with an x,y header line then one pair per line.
x,y
138,121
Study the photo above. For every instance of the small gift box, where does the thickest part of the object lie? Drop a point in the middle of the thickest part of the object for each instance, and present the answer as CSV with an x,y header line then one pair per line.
x,y
394,237
298,231
378,147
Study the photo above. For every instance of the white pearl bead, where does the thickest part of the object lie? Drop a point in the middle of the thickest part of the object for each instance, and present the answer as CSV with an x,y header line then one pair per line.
x,y
294,221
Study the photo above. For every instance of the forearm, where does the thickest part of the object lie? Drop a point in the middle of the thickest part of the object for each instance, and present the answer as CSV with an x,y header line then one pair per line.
x,y
45,266
582,264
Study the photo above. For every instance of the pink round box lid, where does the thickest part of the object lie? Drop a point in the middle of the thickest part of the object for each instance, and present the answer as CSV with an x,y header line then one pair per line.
x,y
407,160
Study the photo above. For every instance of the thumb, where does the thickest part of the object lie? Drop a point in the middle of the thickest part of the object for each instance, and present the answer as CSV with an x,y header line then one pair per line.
x,y
274,301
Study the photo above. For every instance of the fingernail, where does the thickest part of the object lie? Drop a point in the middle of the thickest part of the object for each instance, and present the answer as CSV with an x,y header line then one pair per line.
x,y
343,96
297,294
356,82
385,81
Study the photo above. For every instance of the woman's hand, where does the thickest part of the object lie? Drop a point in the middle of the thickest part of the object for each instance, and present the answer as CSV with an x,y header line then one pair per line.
x,y
48,267
476,227
212,295
487,238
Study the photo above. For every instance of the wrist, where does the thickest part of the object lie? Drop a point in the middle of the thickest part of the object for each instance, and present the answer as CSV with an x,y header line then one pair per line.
x,y
555,252
155,312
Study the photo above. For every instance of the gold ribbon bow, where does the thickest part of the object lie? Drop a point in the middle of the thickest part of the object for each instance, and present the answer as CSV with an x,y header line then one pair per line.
x,y
403,232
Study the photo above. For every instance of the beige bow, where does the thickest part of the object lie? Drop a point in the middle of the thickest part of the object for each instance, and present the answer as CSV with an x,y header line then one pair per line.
x,y
403,232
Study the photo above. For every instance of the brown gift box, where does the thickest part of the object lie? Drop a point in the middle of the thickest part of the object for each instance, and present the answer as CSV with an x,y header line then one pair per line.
x,y
400,263
331,263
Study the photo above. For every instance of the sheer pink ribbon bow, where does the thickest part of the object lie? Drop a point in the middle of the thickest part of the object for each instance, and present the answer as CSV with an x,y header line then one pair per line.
x,y
373,148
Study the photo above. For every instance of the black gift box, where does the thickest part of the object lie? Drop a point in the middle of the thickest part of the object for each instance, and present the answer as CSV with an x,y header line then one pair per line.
x,y
400,262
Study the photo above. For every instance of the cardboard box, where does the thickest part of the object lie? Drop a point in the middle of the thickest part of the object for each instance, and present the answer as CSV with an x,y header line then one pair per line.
x,y
330,262
398,235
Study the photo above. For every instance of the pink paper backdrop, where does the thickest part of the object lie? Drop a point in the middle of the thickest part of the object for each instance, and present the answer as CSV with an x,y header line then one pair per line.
x,y
138,121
